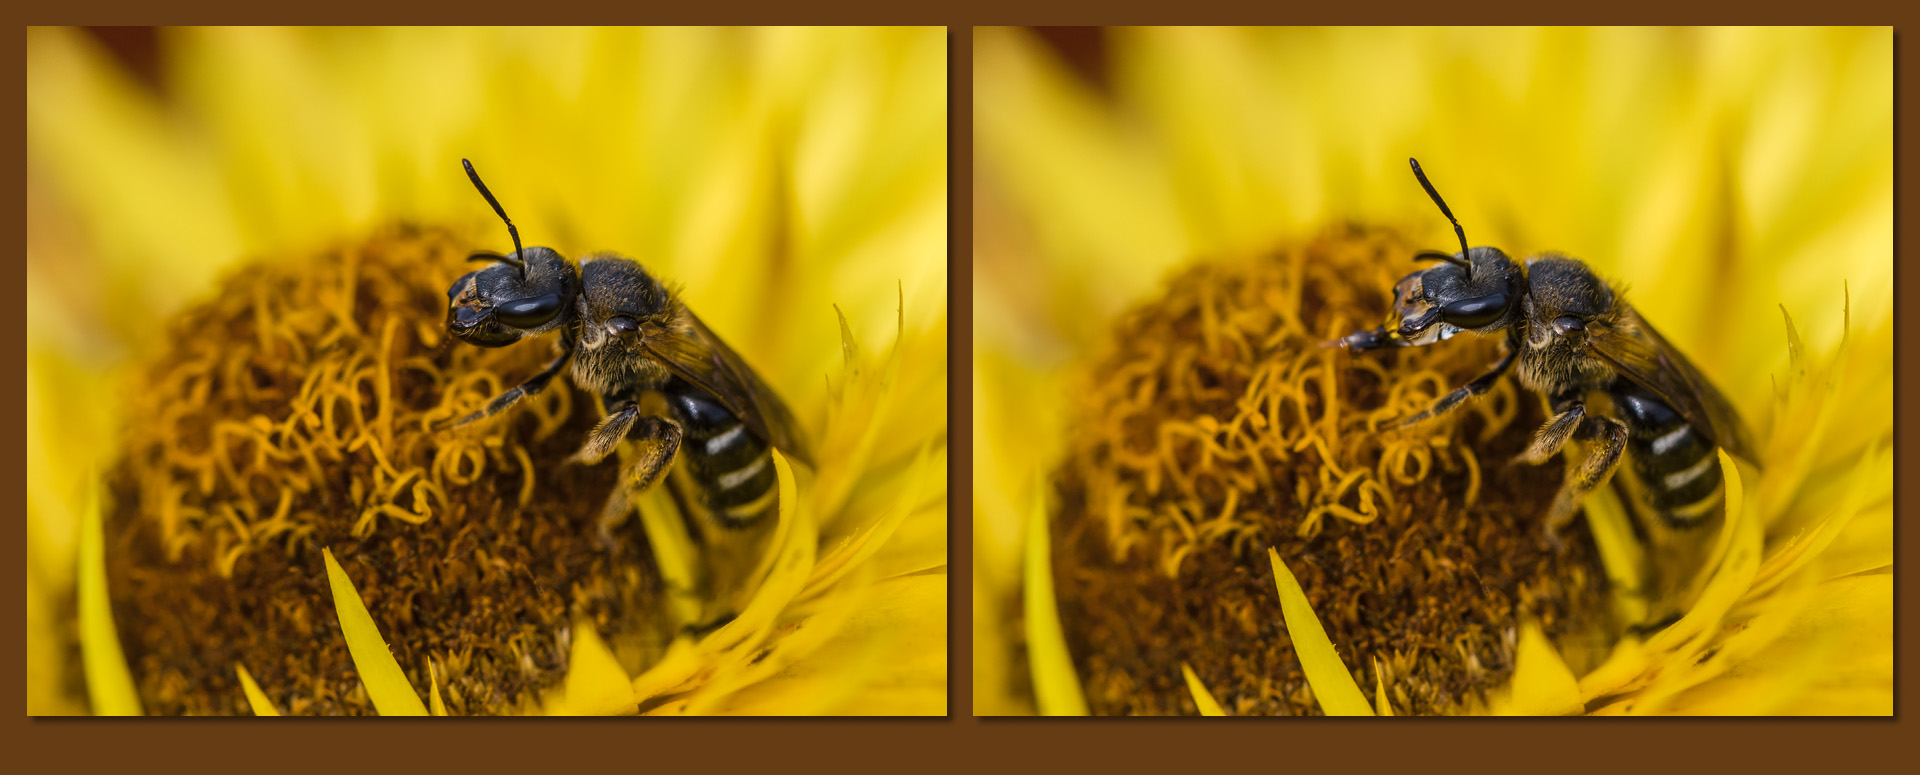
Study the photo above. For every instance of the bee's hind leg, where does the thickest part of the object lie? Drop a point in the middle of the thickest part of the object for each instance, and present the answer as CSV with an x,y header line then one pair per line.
x,y
1451,401
656,442
1611,441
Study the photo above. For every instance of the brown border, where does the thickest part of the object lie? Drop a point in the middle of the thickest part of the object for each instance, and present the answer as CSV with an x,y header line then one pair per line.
x,y
966,744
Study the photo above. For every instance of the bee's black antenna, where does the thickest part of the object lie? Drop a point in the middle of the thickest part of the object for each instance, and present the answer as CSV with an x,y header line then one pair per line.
x,y
515,259
1460,261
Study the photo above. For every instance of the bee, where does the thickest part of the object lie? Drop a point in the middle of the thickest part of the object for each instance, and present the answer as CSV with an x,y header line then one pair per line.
x,y
665,380
1572,335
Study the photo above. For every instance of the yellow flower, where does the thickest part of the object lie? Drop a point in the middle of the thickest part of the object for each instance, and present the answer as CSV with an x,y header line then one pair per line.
x,y
1720,175
241,177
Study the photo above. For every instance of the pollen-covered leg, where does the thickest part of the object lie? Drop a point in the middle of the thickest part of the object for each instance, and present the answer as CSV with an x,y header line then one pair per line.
x,y
656,442
604,437
1451,401
1566,419
1610,441
500,403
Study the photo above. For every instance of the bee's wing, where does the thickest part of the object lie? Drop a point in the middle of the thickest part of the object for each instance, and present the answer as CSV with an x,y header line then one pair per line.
x,y
702,359
1636,350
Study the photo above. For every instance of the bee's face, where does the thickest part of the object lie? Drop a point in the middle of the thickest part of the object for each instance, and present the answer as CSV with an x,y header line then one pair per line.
x,y
498,305
1414,321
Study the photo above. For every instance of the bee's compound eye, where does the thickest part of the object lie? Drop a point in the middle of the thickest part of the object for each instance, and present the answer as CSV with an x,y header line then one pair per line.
x,y
1567,325
1476,312
528,313
620,324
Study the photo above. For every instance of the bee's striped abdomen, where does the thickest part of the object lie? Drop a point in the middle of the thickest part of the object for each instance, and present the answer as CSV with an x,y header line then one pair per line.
x,y
732,467
1674,462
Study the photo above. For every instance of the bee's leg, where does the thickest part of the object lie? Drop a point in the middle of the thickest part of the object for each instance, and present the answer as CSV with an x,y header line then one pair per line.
x,y
1451,401
1568,411
604,437
1611,441
531,387
656,441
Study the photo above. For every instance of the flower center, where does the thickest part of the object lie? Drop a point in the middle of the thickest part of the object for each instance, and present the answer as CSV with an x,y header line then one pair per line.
x,y
1216,427
291,413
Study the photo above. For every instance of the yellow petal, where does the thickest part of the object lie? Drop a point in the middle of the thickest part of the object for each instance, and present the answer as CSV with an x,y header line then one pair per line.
x,y
1202,698
1380,703
109,684
1731,577
732,647
1542,683
674,553
387,685
596,685
1797,553
1056,687
1621,554
256,699
863,546
434,703
792,550
1332,685
880,652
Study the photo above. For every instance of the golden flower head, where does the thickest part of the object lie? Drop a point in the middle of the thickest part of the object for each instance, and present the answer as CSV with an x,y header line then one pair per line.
x,y
1187,506
237,357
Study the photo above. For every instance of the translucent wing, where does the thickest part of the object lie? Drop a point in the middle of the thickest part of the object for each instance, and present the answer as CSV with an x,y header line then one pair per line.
x,y
702,359
1637,351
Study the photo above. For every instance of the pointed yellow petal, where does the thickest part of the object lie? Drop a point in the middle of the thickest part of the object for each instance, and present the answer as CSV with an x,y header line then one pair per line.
x,y
863,546
256,699
1202,698
386,684
109,684
1332,685
792,554
1542,683
1797,553
435,704
1055,686
1740,547
1380,703
596,684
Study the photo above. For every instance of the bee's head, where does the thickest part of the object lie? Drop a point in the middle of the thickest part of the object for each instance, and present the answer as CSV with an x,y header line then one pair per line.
x,y
1477,289
1436,303
525,293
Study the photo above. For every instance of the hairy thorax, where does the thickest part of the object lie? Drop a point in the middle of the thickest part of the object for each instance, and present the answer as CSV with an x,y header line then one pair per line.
x,y
1553,365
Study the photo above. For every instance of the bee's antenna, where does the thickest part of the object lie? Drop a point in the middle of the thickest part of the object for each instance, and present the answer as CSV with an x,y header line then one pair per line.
x,y
1461,261
516,260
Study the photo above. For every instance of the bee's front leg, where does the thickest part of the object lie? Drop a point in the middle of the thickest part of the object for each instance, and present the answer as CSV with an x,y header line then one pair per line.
x,y
1451,401
500,403
1611,441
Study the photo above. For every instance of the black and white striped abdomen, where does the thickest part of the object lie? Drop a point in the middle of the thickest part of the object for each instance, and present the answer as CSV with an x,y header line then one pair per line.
x,y
1675,464
732,469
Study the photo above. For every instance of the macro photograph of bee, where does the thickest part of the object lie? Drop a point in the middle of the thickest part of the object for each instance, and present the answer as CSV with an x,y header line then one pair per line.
x,y
1433,371
486,371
